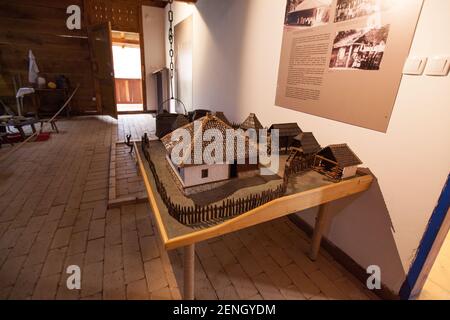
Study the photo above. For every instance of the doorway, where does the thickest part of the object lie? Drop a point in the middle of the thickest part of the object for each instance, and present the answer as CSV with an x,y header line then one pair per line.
x,y
126,49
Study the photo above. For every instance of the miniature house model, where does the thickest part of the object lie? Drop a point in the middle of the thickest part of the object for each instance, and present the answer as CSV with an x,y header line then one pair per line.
x,y
252,122
337,162
221,116
287,132
194,178
304,146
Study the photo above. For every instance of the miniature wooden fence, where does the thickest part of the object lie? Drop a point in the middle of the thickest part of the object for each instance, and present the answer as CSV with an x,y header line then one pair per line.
x,y
191,215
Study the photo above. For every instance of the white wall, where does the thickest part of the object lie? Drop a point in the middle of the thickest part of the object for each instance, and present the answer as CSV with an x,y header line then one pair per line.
x,y
193,175
154,44
236,54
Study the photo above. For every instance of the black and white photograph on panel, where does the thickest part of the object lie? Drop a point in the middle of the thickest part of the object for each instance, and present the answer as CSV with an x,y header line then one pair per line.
x,y
359,48
307,13
352,9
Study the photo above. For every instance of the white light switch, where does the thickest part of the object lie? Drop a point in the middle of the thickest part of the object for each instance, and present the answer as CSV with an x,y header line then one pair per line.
x,y
415,65
438,66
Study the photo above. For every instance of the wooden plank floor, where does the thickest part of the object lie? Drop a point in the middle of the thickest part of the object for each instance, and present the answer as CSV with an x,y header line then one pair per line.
x,y
53,214
136,125
437,286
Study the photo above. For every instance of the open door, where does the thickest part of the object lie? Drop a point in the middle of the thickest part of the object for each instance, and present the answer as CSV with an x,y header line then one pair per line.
x,y
100,44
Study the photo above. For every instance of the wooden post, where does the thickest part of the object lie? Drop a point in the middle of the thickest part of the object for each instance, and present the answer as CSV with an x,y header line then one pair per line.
x,y
322,222
189,271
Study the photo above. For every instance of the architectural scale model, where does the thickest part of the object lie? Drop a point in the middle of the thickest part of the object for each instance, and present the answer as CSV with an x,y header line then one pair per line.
x,y
195,178
215,189
287,132
194,203
337,162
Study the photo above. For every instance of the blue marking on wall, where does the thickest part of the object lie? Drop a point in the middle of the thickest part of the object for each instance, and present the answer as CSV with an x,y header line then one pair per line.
x,y
435,224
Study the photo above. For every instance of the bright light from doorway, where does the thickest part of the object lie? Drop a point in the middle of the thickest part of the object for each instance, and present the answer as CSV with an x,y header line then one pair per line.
x,y
127,62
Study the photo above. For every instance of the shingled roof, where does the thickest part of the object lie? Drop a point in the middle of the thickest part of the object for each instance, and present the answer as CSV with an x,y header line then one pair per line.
x,y
342,154
222,117
287,129
251,122
204,124
308,142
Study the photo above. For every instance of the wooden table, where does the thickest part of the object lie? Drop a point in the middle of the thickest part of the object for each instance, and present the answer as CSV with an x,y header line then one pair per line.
x,y
19,124
175,235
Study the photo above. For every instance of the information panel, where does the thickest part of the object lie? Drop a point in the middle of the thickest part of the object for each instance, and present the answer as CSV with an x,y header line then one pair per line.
x,y
343,59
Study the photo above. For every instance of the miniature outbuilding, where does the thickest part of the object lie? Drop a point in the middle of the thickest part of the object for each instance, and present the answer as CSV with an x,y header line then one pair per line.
x,y
287,132
304,147
337,162
221,116
252,122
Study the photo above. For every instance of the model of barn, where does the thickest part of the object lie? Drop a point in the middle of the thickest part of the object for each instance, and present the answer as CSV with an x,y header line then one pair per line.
x,y
304,147
252,122
209,174
337,162
287,132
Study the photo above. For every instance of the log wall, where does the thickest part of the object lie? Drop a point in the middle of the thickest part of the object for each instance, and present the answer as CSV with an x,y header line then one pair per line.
x,y
40,25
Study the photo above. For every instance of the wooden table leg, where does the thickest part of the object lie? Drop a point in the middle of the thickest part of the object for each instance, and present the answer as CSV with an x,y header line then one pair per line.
x,y
322,221
22,133
189,271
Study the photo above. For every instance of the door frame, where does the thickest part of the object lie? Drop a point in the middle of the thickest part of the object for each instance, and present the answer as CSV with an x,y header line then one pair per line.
x,y
98,96
432,240
142,66
140,32
143,71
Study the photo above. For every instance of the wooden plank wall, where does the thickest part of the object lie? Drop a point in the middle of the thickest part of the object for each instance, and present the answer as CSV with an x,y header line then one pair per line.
x,y
40,25
129,91
122,14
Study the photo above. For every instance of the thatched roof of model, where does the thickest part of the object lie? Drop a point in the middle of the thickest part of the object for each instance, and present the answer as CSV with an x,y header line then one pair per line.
x,y
308,142
221,116
287,129
196,137
341,154
251,122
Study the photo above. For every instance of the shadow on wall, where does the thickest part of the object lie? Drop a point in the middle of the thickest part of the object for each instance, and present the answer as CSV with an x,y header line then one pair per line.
x,y
219,51
363,221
